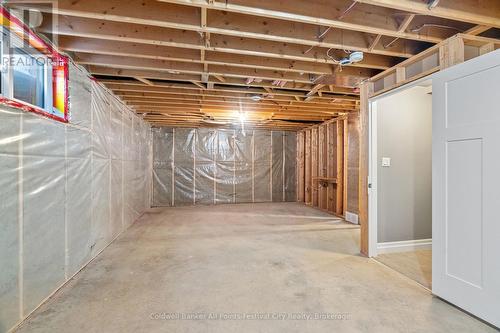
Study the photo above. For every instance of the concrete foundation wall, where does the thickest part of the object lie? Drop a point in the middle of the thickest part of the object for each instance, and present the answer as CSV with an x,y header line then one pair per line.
x,y
67,190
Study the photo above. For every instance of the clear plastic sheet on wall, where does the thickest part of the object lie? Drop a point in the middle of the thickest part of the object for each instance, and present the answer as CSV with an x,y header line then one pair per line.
x,y
75,186
225,172
221,166
278,164
243,166
205,151
214,166
163,150
80,94
262,166
184,166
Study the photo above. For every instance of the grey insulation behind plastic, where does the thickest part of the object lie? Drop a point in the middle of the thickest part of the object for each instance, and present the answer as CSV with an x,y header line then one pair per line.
x,y
215,166
67,190
183,166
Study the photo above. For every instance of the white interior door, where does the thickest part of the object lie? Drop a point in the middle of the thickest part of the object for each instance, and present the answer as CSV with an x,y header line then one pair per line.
x,y
466,186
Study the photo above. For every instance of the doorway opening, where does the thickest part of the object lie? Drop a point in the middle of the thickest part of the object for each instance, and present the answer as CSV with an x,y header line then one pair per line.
x,y
400,203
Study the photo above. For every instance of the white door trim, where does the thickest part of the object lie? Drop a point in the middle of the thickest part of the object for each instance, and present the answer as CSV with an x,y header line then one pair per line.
x,y
404,246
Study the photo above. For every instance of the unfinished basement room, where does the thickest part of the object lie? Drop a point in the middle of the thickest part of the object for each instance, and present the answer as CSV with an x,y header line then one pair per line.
x,y
250,166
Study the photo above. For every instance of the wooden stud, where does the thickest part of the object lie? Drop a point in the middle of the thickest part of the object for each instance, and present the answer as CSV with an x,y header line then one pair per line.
x,y
345,166
451,52
339,195
366,89
486,48
314,166
146,81
400,74
301,166
308,171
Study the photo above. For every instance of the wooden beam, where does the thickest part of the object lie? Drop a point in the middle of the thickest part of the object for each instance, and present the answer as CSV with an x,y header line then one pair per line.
x,y
83,35
303,12
339,195
375,42
300,167
314,166
225,93
406,22
315,89
366,89
195,68
146,81
219,77
308,158
487,12
451,52
476,30
232,86
198,84
331,164
152,13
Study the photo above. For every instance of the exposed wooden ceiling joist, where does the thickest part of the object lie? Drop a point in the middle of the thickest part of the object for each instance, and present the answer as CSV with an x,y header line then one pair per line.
x,y
483,12
173,67
178,14
231,84
222,91
140,34
128,49
192,62
319,12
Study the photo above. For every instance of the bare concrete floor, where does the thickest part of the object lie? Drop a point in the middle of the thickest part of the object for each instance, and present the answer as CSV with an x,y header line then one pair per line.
x,y
243,259
417,265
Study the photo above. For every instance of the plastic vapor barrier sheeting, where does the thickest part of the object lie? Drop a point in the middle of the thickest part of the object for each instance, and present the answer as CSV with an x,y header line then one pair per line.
x,y
216,166
67,190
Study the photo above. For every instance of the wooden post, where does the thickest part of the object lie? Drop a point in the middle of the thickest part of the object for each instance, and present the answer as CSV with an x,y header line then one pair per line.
x,y
314,165
345,167
400,74
307,175
339,196
451,52
365,90
490,47
330,173
300,166
322,160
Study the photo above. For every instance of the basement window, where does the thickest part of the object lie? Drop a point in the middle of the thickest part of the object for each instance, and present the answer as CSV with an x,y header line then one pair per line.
x,y
29,79
34,77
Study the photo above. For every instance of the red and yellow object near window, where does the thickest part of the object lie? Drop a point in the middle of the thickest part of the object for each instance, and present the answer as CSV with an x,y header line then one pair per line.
x,y
59,63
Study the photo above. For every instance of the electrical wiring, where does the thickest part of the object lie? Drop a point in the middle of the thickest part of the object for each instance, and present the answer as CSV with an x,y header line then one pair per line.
x,y
426,25
336,61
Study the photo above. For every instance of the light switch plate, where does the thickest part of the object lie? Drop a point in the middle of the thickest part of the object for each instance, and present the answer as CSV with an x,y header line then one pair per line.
x,y
386,161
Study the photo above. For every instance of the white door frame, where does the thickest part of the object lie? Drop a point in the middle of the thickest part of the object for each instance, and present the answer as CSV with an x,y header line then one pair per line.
x,y
373,162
